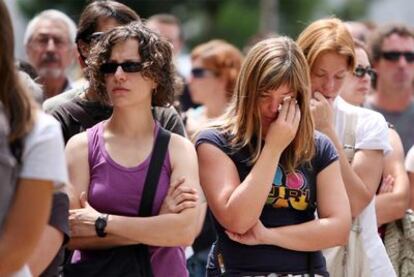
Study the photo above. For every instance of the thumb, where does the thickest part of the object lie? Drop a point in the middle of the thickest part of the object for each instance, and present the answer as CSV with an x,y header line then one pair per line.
x,y
83,200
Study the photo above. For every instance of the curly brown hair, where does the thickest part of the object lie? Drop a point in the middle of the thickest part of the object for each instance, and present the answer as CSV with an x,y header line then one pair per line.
x,y
156,57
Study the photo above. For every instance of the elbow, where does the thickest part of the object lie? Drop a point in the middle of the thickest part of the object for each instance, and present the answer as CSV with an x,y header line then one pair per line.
x,y
343,238
188,236
238,226
400,209
236,223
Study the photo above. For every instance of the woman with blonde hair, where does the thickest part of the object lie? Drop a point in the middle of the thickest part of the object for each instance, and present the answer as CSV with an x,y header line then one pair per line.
x,y
275,171
359,135
215,66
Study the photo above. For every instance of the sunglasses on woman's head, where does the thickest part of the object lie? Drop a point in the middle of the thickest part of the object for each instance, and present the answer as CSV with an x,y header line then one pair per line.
x,y
200,72
129,67
395,56
360,71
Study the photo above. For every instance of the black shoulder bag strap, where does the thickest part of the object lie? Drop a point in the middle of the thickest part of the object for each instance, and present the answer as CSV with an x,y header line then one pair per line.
x,y
150,185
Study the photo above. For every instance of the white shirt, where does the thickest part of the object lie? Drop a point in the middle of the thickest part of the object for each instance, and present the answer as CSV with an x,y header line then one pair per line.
x,y
43,159
44,152
372,134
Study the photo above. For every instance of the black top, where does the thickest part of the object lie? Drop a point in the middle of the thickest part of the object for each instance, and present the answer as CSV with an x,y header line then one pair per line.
x,y
292,200
59,220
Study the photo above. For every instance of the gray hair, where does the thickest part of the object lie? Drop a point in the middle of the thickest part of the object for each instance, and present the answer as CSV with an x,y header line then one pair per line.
x,y
52,15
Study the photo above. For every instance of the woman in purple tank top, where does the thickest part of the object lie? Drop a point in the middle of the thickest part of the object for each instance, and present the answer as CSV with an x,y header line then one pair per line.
x,y
131,69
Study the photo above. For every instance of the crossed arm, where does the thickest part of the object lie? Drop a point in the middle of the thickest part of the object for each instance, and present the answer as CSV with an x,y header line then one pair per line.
x,y
172,229
393,199
238,205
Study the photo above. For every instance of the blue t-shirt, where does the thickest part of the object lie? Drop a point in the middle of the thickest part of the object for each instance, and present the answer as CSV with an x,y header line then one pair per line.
x,y
292,200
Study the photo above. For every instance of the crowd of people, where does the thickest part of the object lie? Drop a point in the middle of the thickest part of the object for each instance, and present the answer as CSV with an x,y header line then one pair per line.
x,y
291,158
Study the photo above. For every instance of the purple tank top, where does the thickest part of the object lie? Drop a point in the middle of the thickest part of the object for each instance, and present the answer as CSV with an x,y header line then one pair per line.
x,y
115,189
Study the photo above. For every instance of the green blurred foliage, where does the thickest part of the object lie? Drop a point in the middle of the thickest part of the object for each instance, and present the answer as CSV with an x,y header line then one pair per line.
x,y
295,15
233,20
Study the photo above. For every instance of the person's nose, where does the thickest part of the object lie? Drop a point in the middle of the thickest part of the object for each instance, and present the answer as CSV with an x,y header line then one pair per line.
x,y
402,62
51,46
329,85
119,74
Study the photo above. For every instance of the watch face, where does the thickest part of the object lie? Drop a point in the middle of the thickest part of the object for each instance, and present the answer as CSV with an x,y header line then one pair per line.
x,y
100,223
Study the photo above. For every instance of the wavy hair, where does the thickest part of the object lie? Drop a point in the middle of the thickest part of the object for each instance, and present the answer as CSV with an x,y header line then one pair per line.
x,y
156,56
269,65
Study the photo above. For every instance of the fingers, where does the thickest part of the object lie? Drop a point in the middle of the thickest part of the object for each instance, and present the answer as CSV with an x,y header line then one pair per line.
x,y
284,108
297,117
184,205
293,110
319,96
387,184
184,201
176,183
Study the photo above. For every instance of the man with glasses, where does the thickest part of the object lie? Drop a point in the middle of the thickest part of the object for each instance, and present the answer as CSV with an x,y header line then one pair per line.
x,y
50,47
392,55
79,109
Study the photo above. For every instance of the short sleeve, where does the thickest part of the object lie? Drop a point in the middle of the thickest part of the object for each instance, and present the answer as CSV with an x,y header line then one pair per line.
x,y
409,160
325,152
372,132
169,119
211,136
43,155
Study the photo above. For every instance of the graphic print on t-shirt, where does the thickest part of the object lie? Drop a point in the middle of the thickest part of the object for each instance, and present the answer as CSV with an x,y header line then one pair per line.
x,y
289,190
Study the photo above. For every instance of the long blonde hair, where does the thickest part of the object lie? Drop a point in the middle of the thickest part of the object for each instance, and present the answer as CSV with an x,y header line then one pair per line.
x,y
270,64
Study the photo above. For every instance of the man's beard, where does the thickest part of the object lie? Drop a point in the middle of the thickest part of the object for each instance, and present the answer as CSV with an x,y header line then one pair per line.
x,y
45,71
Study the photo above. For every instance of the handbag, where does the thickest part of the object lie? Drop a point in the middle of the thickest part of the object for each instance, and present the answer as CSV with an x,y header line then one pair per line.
x,y
132,260
399,243
349,260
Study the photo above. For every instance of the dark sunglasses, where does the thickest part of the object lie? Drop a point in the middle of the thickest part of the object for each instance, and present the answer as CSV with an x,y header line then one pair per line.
x,y
395,56
200,72
130,67
360,72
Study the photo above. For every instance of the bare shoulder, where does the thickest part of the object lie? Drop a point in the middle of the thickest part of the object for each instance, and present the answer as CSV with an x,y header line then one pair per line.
x,y
181,145
77,145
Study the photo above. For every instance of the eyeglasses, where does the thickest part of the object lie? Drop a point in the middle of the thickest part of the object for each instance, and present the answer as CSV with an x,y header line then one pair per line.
x,y
360,72
200,72
395,56
130,67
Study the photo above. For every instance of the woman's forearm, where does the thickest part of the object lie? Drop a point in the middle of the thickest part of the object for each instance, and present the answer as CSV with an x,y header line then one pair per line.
x,y
310,236
165,230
